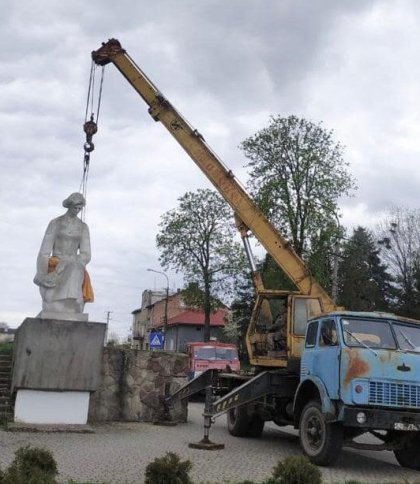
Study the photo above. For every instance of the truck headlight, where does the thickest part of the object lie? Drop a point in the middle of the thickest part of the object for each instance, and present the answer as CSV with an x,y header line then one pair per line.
x,y
361,418
360,391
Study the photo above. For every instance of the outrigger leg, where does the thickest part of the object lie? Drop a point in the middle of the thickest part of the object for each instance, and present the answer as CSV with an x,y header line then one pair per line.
x,y
206,381
206,443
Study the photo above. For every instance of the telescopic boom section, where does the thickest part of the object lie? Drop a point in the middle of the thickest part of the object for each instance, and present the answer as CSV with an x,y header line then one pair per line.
x,y
222,178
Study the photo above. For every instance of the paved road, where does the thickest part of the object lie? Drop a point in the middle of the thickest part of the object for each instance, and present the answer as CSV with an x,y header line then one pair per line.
x,y
119,453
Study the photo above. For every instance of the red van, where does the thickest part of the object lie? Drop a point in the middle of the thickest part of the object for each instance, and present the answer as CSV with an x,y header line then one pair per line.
x,y
212,355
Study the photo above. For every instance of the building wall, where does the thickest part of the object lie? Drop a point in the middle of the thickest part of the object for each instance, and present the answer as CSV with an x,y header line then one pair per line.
x,y
175,306
143,317
178,336
148,297
141,323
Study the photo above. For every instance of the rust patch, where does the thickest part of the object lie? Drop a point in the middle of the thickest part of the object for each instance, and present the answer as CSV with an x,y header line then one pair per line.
x,y
356,366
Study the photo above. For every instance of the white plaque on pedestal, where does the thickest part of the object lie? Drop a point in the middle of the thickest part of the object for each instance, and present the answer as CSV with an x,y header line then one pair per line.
x,y
49,407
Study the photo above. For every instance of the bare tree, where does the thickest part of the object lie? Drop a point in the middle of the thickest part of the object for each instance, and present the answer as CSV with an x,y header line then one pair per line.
x,y
399,236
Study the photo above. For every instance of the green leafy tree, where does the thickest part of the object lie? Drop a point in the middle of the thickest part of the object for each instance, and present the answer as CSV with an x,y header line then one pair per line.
x,y
399,238
273,276
197,239
241,308
297,176
365,284
324,257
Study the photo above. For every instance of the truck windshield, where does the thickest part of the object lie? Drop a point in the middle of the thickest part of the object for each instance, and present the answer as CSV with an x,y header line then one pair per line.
x,y
215,353
373,334
408,337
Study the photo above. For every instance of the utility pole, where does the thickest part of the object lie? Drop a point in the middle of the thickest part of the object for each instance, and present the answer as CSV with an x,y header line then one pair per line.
x,y
108,317
336,257
334,284
108,314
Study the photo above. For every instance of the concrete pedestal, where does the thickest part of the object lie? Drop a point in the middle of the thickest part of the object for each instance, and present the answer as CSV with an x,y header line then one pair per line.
x,y
56,366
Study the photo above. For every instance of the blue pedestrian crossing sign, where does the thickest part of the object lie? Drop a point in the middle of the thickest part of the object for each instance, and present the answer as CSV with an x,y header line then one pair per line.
x,y
156,341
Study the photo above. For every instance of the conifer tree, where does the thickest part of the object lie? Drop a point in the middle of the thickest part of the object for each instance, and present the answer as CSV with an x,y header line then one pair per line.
x,y
365,284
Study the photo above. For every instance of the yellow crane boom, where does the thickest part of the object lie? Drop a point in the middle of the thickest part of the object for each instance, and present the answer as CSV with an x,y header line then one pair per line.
x,y
223,179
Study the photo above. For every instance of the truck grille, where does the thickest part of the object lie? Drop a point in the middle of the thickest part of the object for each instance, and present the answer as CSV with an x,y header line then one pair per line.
x,y
394,394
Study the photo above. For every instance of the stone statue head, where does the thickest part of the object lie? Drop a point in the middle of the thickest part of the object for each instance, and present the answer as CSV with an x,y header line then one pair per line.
x,y
74,199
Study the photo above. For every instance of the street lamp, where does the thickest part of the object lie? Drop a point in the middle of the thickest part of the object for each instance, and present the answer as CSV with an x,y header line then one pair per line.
x,y
334,278
165,317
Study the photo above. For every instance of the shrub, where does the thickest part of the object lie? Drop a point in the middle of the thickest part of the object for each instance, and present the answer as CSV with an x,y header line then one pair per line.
x,y
31,465
296,470
6,346
168,470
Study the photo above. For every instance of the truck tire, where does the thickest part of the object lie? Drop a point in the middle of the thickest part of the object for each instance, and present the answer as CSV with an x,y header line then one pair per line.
x,y
240,424
320,440
408,455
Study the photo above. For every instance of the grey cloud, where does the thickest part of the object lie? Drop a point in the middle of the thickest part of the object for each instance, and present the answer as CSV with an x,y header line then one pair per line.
x,y
226,65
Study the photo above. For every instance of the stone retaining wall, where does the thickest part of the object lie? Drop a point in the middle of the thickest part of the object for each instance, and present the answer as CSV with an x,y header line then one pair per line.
x,y
133,384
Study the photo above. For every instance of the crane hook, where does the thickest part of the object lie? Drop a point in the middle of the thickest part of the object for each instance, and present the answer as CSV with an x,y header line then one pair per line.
x,y
90,128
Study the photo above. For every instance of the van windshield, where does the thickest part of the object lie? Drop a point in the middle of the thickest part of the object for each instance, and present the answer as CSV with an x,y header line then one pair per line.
x,y
215,353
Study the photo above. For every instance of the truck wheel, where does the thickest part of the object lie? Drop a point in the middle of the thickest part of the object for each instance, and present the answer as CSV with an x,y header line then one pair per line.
x,y
320,440
240,424
408,455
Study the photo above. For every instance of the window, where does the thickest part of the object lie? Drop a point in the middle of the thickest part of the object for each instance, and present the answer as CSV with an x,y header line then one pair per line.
x,y
408,337
226,354
215,353
328,333
311,334
368,333
205,353
304,309
272,315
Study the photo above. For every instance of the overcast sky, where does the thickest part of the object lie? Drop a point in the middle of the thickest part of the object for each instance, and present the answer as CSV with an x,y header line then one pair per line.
x,y
227,65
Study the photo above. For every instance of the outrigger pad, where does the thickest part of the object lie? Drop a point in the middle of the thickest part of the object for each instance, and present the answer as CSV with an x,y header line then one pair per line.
x,y
206,444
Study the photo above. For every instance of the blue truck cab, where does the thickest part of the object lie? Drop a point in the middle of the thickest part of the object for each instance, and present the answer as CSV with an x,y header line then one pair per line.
x,y
360,372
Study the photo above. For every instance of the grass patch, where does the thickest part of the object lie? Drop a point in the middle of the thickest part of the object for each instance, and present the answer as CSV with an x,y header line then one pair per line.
x,y
6,346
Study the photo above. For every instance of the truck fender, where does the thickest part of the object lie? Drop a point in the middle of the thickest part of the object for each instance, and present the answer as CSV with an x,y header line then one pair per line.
x,y
312,388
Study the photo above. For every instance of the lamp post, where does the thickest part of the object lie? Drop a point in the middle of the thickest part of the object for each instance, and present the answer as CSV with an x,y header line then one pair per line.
x,y
334,278
165,315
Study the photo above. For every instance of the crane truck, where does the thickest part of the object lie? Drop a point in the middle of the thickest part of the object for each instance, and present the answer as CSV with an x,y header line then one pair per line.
x,y
330,373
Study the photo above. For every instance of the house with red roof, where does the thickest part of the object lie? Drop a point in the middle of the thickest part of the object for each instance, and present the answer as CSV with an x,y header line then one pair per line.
x,y
184,324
